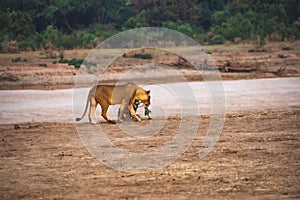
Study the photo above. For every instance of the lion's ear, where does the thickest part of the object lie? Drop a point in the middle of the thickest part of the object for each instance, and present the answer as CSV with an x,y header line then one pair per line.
x,y
148,92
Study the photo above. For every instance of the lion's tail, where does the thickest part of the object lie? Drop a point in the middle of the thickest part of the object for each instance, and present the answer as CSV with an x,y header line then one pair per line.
x,y
86,107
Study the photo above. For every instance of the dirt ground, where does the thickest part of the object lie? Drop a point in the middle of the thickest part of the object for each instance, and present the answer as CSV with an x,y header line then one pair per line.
x,y
32,70
256,157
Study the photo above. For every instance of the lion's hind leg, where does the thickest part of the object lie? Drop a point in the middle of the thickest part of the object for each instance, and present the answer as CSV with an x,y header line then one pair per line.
x,y
93,106
122,110
104,108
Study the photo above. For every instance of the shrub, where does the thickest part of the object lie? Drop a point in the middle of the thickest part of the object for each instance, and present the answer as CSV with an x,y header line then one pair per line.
x,y
218,39
10,46
185,28
142,55
296,28
237,40
51,35
43,65
286,48
17,25
69,41
18,59
140,20
27,45
101,31
87,39
256,50
75,62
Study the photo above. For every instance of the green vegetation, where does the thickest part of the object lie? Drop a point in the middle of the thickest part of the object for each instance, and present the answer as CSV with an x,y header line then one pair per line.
x,y
75,62
286,48
68,24
256,50
43,65
142,55
18,59
147,112
217,39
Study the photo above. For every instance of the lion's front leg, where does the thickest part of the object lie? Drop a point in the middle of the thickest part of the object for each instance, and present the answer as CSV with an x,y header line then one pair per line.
x,y
133,113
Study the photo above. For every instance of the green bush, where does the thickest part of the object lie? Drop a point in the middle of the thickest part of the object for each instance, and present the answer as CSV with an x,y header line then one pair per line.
x,y
256,50
296,28
43,65
51,35
140,20
17,25
87,39
101,31
218,39
19,59
90,64
142,55
69,41
75,62
10,46
286,48
185,28
25,45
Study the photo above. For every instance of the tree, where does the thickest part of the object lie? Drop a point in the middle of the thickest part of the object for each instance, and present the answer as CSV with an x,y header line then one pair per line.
x,y
18,25
50,36
29,20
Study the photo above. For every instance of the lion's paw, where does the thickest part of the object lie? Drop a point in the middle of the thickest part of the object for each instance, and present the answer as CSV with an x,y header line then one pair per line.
x,y
112,121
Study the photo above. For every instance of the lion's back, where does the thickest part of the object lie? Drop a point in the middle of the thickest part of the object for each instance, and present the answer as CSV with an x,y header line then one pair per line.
x,y
114,94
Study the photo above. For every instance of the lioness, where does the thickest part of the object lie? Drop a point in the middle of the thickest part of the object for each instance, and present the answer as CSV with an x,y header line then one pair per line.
x,y
107,95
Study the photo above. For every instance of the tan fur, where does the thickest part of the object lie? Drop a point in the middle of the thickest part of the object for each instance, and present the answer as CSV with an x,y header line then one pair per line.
x,y
106,95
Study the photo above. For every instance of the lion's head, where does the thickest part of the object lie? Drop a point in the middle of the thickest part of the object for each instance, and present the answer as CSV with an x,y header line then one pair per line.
x,y
143,96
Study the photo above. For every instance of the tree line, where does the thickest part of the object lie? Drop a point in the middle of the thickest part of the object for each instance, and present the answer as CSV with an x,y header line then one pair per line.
x,y
69,24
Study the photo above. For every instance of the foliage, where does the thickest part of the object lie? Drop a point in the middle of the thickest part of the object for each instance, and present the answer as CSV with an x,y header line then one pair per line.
x,y
27,45
142,55
258,50
286,48
140,20
75,62
82,23
296,28
69,41
10,46
50,35
218,39
18,59
185,28
147,112
101,31
16,25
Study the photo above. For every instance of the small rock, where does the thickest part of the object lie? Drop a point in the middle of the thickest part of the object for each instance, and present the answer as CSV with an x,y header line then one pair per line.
x,y
16,126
